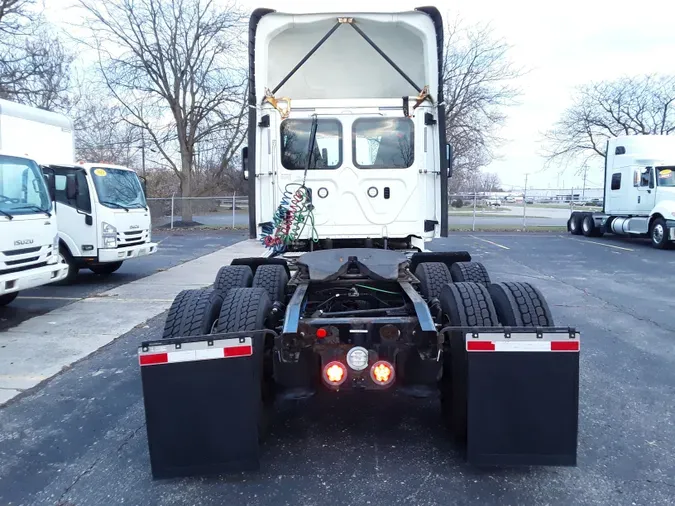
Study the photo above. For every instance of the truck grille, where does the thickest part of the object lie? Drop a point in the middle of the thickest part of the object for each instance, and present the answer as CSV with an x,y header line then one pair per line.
x,y
132,238
18,260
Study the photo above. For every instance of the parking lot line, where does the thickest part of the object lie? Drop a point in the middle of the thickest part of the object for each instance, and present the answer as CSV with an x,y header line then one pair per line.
x,y
490,242
31,297
601,244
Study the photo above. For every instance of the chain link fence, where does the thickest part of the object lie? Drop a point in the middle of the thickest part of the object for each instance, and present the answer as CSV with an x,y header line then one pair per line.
x,y
229,211
525,210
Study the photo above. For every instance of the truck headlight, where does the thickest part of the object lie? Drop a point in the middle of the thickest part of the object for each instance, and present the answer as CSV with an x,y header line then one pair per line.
x,y
109,235
55,244
54,258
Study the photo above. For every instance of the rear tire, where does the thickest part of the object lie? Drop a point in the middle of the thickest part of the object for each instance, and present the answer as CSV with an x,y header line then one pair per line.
x,y
106,269
232,276
272,278
246,309
8,298
588,227
193,313
574,224
433,277
473,272
658,232
468,305
520,305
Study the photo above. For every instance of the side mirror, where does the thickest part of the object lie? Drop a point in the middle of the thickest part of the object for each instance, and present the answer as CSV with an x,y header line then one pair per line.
x,y
51,186
244,162
324,155
71,187
448,156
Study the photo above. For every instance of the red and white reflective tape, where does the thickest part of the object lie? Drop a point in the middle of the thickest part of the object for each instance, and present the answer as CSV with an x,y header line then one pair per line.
x,y
192,352
506,345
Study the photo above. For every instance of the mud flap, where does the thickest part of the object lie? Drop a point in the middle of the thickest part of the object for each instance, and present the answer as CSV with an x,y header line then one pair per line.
x,y
202,404
522,397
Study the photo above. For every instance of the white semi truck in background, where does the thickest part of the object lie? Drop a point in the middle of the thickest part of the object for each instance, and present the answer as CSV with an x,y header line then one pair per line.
x,y
639,198
100,209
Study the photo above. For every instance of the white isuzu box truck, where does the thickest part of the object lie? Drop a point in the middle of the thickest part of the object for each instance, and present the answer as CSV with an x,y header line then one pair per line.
x,y
639,191
103,217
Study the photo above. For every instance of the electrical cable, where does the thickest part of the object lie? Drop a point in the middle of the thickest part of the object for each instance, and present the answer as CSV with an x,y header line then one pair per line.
x,y
295,209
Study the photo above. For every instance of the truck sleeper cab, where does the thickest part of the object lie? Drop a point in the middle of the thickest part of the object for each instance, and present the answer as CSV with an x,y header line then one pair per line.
x,y
104,218
28,231
639,191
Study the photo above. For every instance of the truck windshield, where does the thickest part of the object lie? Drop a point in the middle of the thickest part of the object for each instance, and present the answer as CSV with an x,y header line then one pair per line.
x,y
665,176
295,142
22,188
383,143
117,188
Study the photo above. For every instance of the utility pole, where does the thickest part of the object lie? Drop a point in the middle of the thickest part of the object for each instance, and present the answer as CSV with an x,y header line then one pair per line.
x,y
143,151
583,191
525,204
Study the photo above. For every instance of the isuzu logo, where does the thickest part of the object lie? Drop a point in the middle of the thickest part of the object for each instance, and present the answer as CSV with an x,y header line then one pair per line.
x,y
23,242
134,226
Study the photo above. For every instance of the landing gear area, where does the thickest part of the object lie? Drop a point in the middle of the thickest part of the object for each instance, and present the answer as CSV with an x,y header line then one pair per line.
x,y
360,319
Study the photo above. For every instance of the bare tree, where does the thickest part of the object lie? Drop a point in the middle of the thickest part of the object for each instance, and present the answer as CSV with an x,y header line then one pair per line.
x,y
176,68
628,106
102,133
478,79
34,64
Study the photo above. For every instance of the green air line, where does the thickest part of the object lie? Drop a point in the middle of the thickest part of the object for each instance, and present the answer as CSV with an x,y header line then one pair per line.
x,y
377,289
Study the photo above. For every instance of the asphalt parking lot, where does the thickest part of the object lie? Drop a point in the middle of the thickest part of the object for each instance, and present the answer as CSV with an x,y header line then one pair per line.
x,y
79,438
174,248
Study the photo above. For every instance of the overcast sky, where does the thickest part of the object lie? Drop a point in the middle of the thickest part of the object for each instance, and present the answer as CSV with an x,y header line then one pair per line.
x,y
563,44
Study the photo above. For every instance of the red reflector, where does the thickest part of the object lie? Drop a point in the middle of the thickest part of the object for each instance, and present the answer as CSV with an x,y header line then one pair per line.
x,y
480,346
564,345
157,358
238,351
321,333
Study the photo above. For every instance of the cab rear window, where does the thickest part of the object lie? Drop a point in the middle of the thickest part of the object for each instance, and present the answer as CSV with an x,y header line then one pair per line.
x,y
383,143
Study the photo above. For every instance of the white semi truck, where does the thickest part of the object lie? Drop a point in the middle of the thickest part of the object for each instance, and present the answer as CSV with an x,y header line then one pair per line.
x,y
347,165
102,215
639,191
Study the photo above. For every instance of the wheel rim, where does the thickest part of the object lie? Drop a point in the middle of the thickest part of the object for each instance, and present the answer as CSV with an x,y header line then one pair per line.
x,y
586,226
573,224
658,233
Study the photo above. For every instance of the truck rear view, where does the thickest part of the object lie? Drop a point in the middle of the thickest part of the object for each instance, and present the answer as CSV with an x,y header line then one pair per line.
x,y
353,180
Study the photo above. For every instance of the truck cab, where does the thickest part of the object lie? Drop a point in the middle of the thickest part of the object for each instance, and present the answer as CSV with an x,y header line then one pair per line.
x,y
104,218
639,197
28,230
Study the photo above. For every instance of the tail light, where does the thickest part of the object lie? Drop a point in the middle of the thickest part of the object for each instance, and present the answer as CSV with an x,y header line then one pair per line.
x,y
382,373
335,373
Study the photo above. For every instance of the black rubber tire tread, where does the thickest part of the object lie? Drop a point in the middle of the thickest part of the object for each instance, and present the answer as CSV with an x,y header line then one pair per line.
x,y
106,269
593,230
576,220
520,305
468,304
273,278
433,277
8,298
193,313
233,276
244,309
474,272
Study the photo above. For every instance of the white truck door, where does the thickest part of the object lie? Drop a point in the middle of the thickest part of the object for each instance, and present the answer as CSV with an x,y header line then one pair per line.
x,y
645,194
72,212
